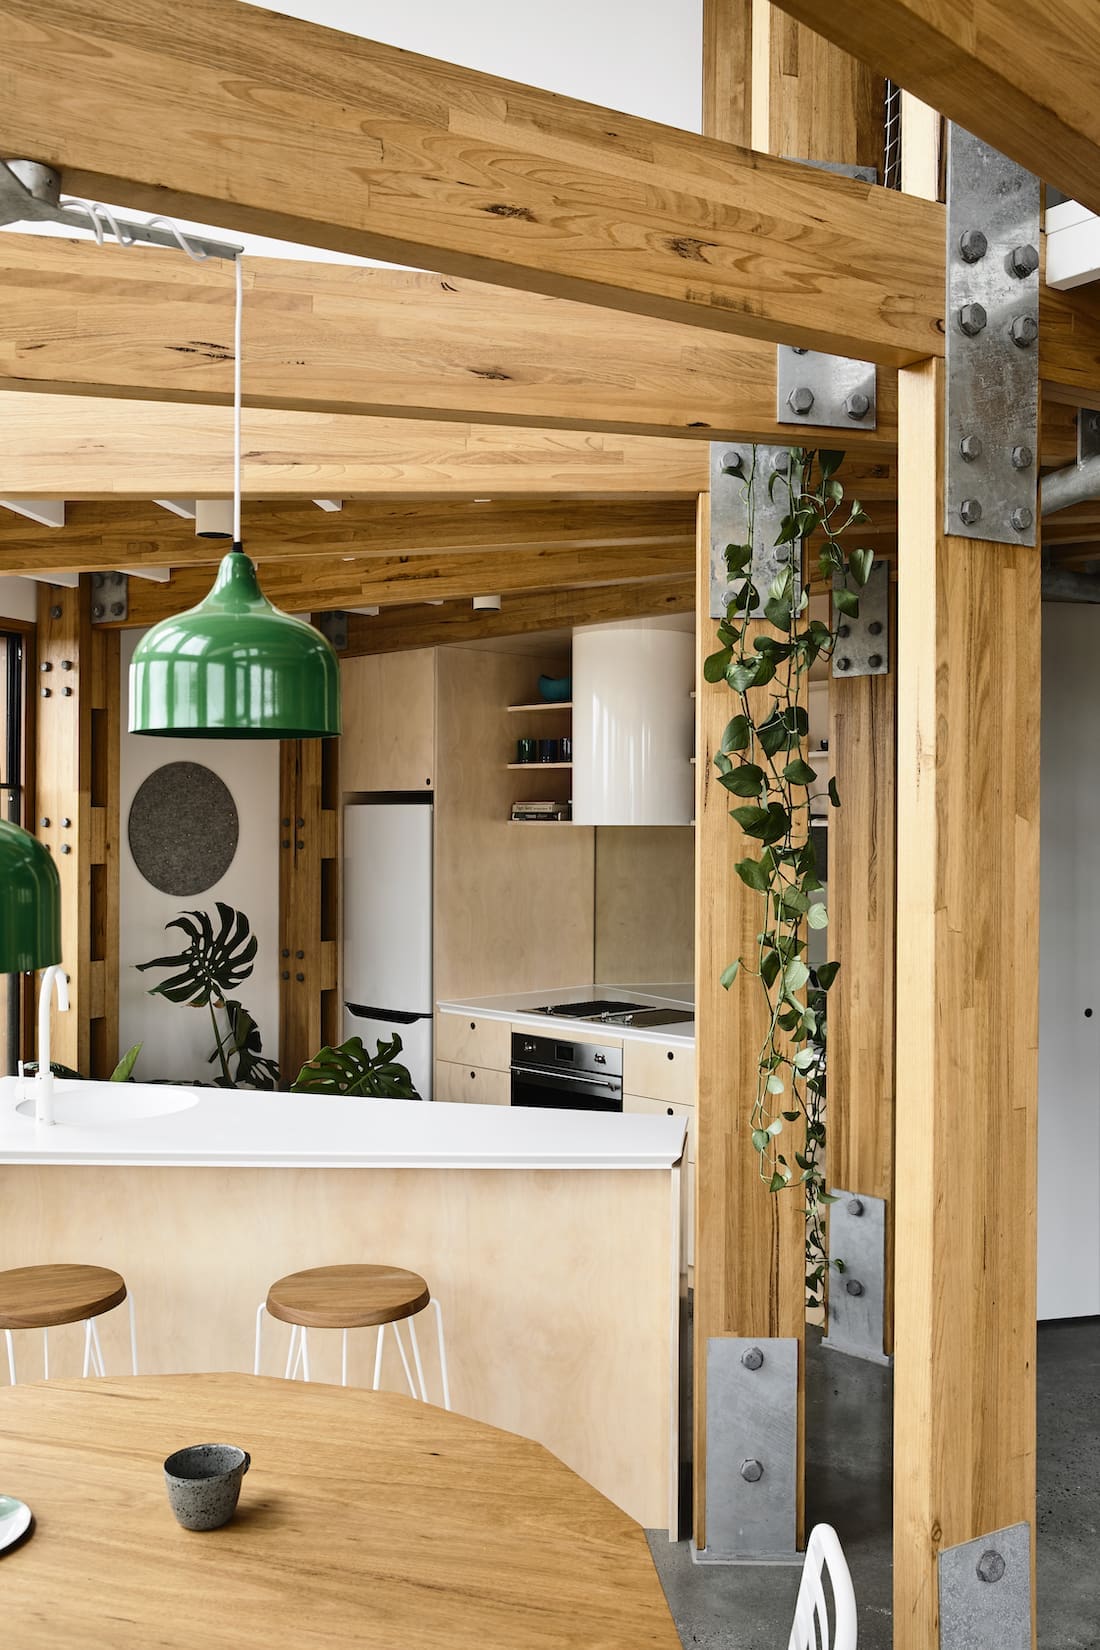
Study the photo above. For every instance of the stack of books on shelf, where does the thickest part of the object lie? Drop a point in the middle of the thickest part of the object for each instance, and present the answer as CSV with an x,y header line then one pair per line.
x,y
541,810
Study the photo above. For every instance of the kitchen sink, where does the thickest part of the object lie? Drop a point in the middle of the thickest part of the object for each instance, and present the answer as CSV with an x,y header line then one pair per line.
x,y
107,1105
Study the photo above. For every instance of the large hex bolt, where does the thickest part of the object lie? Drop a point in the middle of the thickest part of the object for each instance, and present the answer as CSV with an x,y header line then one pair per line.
x,y
752,1357
853,1287
1023,261
801,400
972,318
855,1205
857,405
1024,331
970,448
971,511
1022,458
752,1471
732,462
991,1566
1022,518
973,246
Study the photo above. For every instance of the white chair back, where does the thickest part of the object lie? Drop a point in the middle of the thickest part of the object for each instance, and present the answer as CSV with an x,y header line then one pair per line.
x,y
824,1554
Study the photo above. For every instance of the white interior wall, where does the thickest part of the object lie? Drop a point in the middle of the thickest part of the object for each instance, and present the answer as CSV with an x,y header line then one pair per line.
x,y
178,1039
1069,971
18,598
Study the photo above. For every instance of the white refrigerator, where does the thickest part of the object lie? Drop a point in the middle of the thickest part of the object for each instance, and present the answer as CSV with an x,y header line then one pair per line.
x,y
388,929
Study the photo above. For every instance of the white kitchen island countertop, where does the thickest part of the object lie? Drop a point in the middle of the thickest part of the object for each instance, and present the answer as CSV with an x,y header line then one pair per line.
x,y
263,1130
518,1008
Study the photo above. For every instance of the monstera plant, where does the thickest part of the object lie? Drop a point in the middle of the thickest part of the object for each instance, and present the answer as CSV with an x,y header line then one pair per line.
x,y
351,1070
213,963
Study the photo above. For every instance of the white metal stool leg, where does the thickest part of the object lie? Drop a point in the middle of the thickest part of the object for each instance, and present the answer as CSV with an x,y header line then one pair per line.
x,y
87,1348
259,1336
133,1334
305,1353
404,1360
291,1359
11,1356
417,1362
443,1371
378,1357
97,1351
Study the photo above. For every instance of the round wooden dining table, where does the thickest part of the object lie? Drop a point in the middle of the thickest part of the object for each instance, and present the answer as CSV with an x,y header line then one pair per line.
x,y
367,1519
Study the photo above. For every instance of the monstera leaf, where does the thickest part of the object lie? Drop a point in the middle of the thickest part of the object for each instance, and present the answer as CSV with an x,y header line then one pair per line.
x,y
212,964
349,1069
245,1045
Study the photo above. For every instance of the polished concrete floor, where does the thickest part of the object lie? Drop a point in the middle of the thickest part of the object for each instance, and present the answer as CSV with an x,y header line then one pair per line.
x,y
849,1485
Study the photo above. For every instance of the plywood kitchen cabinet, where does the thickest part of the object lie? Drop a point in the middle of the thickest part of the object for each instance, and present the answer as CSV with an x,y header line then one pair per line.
x,y
639,1102
389,722
663,1071
473,1042
471,1085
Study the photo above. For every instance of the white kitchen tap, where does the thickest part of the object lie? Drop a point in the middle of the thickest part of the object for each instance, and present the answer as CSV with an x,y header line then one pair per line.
x,y
43,1104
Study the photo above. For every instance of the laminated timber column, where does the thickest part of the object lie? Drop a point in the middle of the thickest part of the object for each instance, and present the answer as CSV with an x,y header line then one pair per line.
x,y
309,901
967,1026
77,813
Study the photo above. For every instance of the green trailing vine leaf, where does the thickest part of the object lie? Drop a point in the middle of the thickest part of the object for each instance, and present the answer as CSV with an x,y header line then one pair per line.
x,y
761,762
351,1070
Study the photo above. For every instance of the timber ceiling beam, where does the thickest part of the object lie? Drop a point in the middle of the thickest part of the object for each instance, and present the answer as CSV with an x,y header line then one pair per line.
x,y
320,585
80,319
398,628
343,143
1019,73
80,447
100,536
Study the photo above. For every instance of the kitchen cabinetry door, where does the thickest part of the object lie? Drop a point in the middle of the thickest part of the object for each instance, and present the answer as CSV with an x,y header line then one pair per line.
x,y
389,722
1069,967
472,1085
664,1071
470,1041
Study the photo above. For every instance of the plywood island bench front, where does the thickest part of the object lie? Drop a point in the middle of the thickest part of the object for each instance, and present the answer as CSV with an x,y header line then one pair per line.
x,y
551,1240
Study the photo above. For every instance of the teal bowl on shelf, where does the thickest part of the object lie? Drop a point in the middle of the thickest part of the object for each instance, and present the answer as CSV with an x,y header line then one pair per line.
x,y
554,689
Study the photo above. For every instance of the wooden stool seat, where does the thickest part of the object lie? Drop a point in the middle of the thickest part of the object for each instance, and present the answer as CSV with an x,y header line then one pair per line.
x,y
43,1297
347,1297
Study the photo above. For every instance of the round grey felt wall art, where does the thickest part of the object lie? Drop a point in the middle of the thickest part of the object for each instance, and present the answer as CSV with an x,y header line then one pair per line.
x,y
183,828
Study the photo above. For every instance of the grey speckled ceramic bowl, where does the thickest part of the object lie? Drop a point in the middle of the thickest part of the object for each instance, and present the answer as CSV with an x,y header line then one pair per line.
x,y
204,1484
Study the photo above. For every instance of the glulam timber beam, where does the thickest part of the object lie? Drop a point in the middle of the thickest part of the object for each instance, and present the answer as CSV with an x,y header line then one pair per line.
x,y
344,143
392,343
322,585
99,535
1019,73
398,629
78,447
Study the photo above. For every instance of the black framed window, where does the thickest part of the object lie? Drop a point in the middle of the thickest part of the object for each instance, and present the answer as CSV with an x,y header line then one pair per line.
x,y
12,803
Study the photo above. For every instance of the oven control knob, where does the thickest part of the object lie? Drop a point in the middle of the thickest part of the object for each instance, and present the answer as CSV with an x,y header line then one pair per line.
x,y
600,1059
528,1048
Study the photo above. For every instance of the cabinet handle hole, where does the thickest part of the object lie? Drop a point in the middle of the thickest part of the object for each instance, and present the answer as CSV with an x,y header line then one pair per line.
x,y
473,1025
671,1055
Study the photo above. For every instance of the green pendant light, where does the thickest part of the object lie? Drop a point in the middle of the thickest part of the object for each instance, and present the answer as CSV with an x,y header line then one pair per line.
x,y
30,903
235,667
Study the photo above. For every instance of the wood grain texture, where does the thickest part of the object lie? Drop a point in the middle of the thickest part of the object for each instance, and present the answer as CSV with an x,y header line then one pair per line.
x,y
395,343
749,1243
513,904
73,446
38,1297
727,71
98,535
967,1027
309,897
645,905
77,791
589,1369
471,1085
1018,73
394,629
473,1041
450,1534
349,1296
809,100
389,738
434,166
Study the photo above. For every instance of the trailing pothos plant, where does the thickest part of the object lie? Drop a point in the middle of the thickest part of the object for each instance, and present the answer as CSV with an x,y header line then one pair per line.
x,y
765,663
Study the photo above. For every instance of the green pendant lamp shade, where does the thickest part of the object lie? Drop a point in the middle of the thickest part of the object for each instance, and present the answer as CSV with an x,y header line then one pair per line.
x,y
235,667
30,903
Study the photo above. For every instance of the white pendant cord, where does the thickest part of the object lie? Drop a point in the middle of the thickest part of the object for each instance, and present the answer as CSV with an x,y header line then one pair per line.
x,y
239,289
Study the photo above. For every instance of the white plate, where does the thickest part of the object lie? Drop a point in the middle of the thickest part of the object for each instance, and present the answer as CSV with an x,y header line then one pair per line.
x,y
15,1519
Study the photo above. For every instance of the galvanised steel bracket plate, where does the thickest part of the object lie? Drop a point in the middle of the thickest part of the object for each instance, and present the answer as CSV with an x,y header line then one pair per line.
x,y
752,1451
992,327
110,597
732,468
985,1591
333,626
863,644
857,1295
30,192
830,390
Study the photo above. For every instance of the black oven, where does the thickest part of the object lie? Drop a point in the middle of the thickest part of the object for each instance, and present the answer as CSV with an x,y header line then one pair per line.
x,y
547,1071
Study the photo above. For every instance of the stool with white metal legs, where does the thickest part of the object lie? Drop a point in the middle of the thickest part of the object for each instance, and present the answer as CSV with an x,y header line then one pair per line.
x,y
354,1297
45,1297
